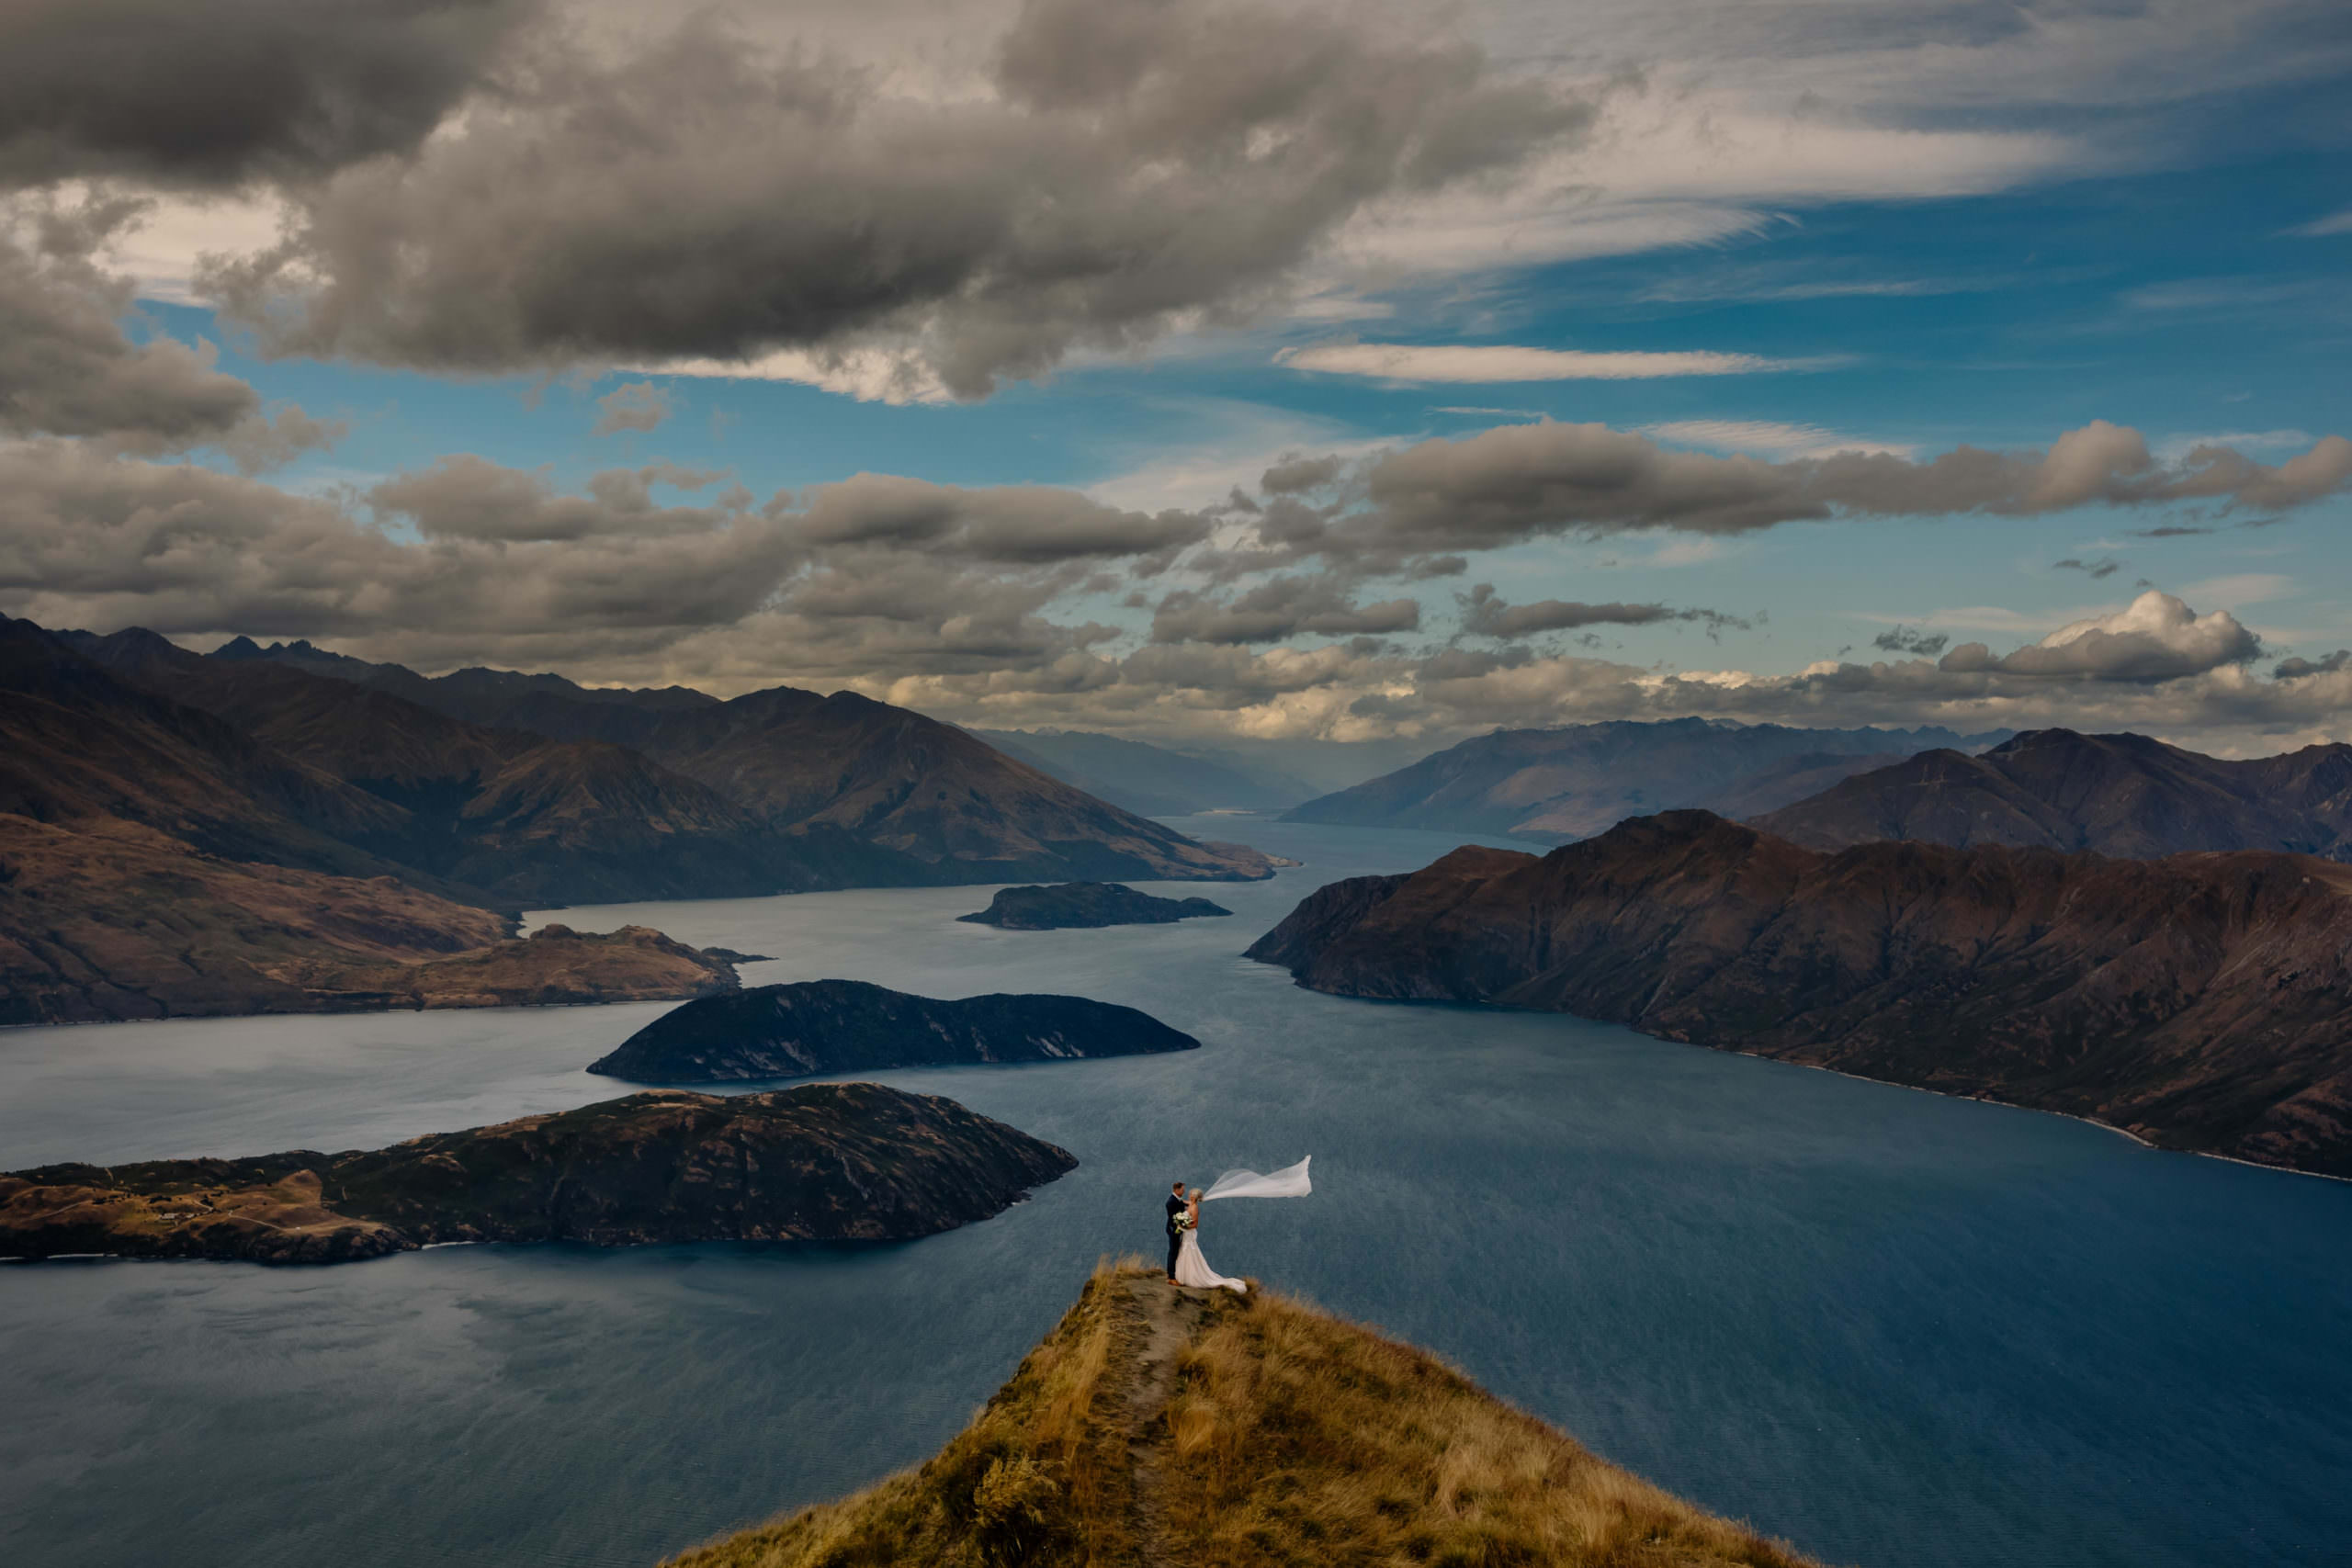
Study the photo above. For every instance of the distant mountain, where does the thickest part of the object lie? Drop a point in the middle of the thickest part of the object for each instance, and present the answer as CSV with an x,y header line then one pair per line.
x,y
2199,1002
157,861
1576,781
526,820
1154,781
863,793
2119,795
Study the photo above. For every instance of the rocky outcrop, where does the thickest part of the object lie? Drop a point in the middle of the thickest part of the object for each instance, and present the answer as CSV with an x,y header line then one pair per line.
x,y
2117,795
2199,1002
842,1026
1073,904
1580,779
822,1162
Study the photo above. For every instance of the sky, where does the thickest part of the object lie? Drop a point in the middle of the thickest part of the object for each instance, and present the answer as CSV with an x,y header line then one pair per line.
x,y
1185,371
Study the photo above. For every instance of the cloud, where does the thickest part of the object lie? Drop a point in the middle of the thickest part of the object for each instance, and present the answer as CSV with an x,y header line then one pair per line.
x,y
1024,524
1500,361
1514,483
636,405
467,497
2302,669
1485,613
66,368
1131,167
1902,639
218,93
2104,566
2334,223
1278,608
89,540
2156,638
1771,438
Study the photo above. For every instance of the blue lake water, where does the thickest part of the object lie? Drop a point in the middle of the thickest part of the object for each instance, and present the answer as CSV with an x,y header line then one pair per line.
x,y
1894,1328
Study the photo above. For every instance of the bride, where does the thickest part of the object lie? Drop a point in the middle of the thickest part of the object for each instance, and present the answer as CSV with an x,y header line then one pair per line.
x,y
1191,1268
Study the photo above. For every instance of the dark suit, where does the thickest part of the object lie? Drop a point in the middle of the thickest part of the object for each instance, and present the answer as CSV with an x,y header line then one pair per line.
x,y
1175,1237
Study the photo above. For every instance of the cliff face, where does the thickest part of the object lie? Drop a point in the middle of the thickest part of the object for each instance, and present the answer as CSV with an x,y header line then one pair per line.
x,y
2201,1002
1156,1426
831,1162
1580,779
1077,903
836,1026
2117,795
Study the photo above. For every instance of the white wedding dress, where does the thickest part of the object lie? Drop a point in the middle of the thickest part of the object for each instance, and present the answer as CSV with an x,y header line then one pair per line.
x,y
1194,1269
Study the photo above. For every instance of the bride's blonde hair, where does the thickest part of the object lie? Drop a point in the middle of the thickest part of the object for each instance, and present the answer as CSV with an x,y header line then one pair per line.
x,y
1196,1191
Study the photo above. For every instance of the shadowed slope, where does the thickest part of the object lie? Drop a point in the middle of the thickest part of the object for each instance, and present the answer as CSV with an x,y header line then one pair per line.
x,y
2201,1002
1156,1426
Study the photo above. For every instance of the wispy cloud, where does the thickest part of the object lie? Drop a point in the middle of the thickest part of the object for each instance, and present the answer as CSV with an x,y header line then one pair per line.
x,y
1510,361
2334,223
1770,437
2174,448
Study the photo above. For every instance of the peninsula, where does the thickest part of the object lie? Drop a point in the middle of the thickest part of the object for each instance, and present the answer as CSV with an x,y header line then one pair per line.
x,y
1221,1431
821,1162
1079,904
2199,1002
839,1026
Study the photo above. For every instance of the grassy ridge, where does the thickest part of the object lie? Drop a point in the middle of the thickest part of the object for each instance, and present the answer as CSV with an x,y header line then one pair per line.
x,y
1152,1427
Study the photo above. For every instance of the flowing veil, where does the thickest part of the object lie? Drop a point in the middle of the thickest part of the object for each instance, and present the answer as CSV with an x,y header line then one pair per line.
x,y
1288,1182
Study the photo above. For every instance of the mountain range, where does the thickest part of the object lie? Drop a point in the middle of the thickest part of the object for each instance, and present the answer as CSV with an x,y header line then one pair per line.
x,y
2119,795
1154,781
1572,781
2199,1001
190,833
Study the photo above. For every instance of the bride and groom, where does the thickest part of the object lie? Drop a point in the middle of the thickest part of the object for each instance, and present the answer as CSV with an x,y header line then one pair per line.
x,y
1186,1266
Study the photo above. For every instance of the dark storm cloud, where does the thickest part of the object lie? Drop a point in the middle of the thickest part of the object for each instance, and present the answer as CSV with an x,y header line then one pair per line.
x,y
1514,483
1139,163
1485,613
1009,523
217,91
1278,609
2302,669
66,368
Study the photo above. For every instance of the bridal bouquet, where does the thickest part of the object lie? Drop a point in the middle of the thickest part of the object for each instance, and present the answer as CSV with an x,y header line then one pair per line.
x,y
1180,1222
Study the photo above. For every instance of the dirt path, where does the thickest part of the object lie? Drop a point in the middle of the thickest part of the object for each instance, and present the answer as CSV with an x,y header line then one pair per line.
x,y
1167,1317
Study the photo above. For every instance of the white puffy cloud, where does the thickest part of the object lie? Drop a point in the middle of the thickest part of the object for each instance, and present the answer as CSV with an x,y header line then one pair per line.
x,y
2155,637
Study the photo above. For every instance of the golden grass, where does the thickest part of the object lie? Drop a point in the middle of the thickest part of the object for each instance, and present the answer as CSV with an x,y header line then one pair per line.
x,y
1040,1476
1298,1438
1290,1438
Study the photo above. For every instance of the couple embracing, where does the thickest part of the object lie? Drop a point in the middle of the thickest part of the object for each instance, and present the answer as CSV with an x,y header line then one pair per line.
x,y
1186,1264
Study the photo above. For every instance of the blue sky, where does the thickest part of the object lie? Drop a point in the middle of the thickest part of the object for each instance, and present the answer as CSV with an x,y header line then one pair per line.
x,y
1893,229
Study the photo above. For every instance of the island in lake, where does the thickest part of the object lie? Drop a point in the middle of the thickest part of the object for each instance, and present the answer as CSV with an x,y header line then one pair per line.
x,y
836,1026
820,1162
1163,1425
2201,1001
1077,903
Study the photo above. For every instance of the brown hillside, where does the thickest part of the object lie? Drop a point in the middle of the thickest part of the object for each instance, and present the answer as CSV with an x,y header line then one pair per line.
x,y
1156,1426
2200,1001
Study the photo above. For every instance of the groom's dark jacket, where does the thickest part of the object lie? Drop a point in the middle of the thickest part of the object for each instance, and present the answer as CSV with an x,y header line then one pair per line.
x,y
1175,1237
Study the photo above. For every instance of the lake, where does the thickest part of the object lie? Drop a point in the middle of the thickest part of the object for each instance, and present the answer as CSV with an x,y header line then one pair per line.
x,y
1892,1328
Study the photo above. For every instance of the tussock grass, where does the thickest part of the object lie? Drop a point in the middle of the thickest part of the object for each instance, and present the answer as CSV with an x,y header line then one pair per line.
x,y
1299,1438
1289,1438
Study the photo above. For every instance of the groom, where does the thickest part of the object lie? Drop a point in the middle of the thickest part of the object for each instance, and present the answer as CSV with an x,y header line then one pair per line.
x,y
1175,1234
